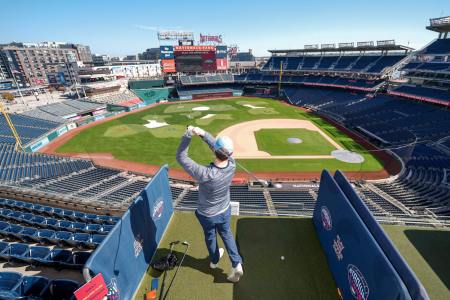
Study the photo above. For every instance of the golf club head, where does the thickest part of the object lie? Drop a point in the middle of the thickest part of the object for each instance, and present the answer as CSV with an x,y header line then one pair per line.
x,y
186,243
174,243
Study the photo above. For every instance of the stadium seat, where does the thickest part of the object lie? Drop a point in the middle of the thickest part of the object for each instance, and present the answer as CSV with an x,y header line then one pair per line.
x,y
30,287
79,216
95,240
69,214
8,281
65,225
38,221
29,234
56,257
27,218
106,228
51,224
79,240
13,251
4,227
46,236
62,237
60,289
14,232
92,228
78,226
34,255
77,261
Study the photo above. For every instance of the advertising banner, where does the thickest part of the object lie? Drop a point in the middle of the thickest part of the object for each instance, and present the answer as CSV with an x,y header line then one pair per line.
x,y
166,52
174,35
359,266
124,256
210,38
222,63
168,65
221,51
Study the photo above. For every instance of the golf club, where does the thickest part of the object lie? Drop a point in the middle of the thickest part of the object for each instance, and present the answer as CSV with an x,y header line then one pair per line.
x,y
168,264
264,183
185,243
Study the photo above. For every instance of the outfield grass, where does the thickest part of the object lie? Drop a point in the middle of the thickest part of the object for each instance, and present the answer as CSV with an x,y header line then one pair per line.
x,y
262,241
127,139
427,251
275,142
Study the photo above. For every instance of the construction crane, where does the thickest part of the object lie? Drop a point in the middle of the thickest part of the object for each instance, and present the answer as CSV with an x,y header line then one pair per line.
x,y
11,126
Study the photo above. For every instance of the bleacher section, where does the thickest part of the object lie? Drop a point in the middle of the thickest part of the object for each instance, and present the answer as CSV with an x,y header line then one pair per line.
x,y
28,128
368,64
423,93
65,109
200,92
18,166
312,80
394,122
114,98
206,79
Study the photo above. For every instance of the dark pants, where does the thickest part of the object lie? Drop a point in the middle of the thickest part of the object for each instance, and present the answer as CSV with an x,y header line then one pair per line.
x,y
219,224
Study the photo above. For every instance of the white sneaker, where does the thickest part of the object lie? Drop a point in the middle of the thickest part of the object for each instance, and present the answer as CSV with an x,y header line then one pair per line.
x,y
213,266
236,273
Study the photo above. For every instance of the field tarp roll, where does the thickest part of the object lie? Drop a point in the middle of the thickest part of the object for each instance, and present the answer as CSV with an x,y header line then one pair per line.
x,y
415,287
359,266
126,253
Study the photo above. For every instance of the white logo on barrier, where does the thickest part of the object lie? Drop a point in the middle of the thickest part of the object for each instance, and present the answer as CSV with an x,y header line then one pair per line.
x,y
113,290
357,282
158,209
338,247
326,218
138,241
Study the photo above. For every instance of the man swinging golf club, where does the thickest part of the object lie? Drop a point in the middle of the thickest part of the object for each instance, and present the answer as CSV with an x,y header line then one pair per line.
x,y
214,211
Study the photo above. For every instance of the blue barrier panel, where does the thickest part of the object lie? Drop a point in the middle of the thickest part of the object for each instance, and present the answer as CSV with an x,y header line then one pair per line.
x,y
359,267
415,288
124,256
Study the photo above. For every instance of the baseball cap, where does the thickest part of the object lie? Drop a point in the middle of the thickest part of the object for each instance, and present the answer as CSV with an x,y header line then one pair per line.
x,y
224,143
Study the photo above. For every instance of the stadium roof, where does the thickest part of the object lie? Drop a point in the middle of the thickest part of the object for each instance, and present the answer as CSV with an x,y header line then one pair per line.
x,y
391,47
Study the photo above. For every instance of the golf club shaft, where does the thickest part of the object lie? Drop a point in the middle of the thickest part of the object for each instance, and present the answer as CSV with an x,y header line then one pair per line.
x,y
263,182
176,271
161,292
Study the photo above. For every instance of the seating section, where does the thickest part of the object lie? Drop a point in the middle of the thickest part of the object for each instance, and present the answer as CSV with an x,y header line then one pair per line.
x,y
293,203
19,166
15,286
371,64
66,109
412,128
113,98
439,46
312,80
206,79
419,92
216,89
28,128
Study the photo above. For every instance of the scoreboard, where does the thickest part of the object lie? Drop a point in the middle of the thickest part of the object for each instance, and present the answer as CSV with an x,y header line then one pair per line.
x,y
193,59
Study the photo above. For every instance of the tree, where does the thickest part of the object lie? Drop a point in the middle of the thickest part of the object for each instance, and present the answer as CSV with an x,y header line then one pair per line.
x,y
8,96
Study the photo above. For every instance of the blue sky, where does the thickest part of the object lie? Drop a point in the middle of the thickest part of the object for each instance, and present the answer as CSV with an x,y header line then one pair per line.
x,y
128,27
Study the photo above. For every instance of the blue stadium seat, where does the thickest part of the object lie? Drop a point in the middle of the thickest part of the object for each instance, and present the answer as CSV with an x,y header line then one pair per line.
x,y
13,251
3,246
93,228
29,234
95,240
38,221
51,223
65,225
107,228
77,261
8,281
34,254
4,227
79,216
30,287
60,289
27,218
79,240
62,237
14,231
46,236
56,257
78,226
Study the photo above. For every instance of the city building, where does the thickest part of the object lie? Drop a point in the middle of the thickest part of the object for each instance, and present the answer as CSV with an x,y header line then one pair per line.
x,y
31,63
100,59
149,54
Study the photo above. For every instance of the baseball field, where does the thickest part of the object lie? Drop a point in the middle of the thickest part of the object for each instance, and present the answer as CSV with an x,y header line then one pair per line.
x,y
269,136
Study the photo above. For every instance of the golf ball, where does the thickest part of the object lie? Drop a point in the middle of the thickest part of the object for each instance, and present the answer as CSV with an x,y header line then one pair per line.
x,y
282,257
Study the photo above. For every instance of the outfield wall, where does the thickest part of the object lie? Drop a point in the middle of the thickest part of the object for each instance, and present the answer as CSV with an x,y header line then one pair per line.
x,y
363,261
